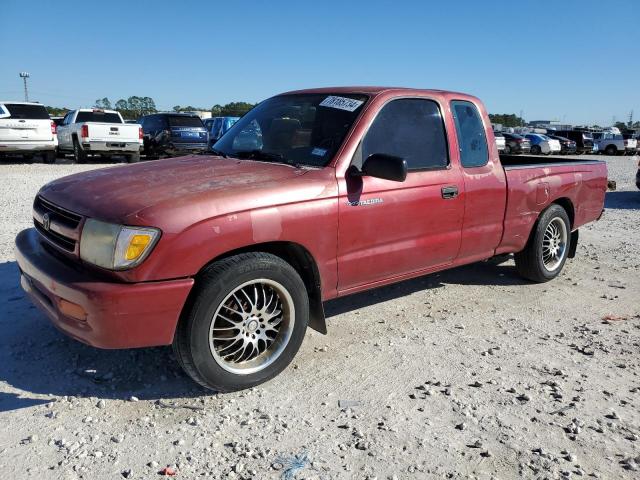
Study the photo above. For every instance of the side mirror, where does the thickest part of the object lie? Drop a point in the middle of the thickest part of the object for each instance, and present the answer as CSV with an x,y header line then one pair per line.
x,y
384,166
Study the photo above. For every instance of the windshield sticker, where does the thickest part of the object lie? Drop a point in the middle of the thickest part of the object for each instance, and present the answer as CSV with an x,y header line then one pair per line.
x,y
342,103
319,151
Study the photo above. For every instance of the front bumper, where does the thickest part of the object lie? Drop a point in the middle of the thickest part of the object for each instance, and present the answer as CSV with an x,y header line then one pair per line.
x,y
105,314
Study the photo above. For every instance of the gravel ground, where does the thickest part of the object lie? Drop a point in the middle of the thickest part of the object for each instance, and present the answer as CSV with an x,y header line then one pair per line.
x,y
470,373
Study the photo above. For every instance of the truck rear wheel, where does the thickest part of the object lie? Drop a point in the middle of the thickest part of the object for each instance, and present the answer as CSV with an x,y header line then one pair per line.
x,y
611,150
133,158
547,249
243,323
79,156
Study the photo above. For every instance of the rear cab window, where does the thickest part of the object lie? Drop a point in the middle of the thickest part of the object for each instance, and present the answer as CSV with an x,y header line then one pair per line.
x,y
409,128
98,117
470,132
21,111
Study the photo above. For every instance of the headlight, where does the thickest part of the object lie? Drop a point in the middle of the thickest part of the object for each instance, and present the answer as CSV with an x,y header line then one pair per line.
x,y
116,247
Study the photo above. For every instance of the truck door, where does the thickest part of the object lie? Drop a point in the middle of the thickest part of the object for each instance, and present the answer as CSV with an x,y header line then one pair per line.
x,y
485,184
388,229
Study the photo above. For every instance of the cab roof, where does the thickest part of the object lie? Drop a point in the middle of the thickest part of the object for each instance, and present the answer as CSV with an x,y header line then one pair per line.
x,y
374,91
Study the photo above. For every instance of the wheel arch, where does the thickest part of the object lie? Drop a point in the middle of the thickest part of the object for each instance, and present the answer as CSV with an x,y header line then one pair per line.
x,y
567,204
302,261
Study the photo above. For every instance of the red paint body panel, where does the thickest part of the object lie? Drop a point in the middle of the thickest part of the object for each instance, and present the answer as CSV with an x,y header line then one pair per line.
x,y
583,185
207,206
119,315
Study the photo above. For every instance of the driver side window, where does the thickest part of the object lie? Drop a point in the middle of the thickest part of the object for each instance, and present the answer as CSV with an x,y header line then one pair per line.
x,y
409,128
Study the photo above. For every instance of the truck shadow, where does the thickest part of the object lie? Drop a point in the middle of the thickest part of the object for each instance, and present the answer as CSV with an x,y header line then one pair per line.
x,y
38,360
622,200
491,272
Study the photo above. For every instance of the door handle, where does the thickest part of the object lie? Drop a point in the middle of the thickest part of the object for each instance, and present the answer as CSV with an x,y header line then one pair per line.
x,y
449,192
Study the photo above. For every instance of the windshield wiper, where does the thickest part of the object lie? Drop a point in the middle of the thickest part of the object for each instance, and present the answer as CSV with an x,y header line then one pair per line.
x,y
219,153
267,156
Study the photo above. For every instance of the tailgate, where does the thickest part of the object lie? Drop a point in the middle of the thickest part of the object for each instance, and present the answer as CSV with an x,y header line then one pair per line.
x,y
113,132
14,130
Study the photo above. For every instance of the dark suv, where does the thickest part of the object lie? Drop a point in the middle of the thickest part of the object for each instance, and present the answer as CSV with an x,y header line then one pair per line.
x,y
515,143
173,134
584,140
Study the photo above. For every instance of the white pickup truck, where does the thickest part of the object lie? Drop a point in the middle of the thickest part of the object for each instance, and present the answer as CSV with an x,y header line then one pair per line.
x,y
610,143
27,130
92,131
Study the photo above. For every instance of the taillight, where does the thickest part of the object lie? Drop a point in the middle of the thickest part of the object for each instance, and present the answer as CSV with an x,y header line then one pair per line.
x,y
519,140
140,133
54,128
84,133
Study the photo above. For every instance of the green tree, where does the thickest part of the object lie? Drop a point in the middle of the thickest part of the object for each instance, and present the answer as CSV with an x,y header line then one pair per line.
x,y
103,103
236,109
506,119
57,111
121,105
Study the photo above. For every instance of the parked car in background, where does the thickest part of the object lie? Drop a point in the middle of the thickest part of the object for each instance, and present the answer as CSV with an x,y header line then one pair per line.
x,y
218,126
27,130
500,141
173,134
516,143
567,146
94,131
231,260
57,120
610,143
630,143
584,140
542,145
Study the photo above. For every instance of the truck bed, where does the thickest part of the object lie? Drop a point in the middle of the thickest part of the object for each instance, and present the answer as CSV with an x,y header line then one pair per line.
x,y
526,161
533,182
523,161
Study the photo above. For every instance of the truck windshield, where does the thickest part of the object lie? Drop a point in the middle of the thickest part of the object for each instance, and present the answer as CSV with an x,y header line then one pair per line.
x,y
100,117
298,129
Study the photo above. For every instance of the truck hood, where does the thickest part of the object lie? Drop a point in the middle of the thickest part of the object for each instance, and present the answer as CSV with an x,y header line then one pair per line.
x,y
119,194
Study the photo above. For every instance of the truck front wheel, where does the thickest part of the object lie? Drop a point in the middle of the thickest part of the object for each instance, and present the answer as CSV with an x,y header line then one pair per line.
x,y
548,247
244,322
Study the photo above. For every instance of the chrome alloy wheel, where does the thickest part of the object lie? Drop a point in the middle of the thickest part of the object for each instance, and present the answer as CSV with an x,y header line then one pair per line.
x,y
554,244
252,326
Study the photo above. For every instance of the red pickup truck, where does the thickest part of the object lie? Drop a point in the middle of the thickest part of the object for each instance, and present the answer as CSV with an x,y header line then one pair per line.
x,y
312,195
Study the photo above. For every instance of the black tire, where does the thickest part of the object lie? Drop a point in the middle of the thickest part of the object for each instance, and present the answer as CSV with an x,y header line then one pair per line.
x,y
507,149
133,158
49,157
79,155
536,150
213,285
611,150
529,262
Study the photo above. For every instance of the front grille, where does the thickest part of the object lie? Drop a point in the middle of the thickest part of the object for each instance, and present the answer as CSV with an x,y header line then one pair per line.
x,y
58,226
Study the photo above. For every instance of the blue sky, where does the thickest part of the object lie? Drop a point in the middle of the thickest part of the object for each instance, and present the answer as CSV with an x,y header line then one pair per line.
x,y
577,61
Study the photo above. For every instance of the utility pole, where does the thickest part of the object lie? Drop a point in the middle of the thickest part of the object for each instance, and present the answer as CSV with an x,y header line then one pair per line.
x,y
630,119
24,76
